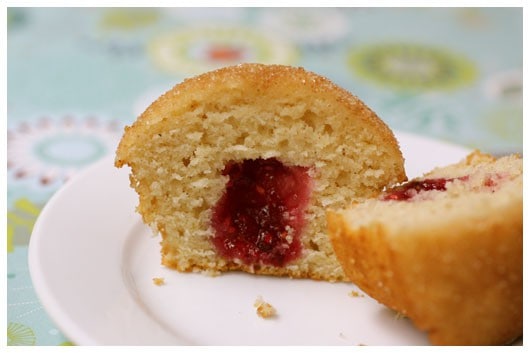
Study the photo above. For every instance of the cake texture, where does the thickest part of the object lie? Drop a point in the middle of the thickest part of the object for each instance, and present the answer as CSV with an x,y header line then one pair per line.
x,y
236,167
444,249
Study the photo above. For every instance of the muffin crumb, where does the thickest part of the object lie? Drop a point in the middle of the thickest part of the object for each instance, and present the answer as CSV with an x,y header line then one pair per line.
x,y
264,309
158,281
355,294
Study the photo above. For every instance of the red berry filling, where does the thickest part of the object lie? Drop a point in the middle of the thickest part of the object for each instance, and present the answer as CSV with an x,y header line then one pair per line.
x,y
412,188
260,216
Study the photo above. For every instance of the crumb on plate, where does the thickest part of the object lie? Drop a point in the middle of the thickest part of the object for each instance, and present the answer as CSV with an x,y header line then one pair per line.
x,y
355,294
264,309
399,316
158,281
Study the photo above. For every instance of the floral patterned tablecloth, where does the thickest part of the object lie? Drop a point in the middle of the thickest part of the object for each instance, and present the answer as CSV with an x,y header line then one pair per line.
x,y
77,76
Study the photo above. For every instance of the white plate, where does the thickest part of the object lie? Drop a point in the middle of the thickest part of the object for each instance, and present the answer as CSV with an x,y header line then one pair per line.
x,y
92,262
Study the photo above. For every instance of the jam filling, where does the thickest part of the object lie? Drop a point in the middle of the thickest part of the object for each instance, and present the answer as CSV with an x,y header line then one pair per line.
x,y
260,216
412,188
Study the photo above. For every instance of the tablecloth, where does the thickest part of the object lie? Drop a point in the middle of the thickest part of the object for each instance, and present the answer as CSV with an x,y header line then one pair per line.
x,y
77,76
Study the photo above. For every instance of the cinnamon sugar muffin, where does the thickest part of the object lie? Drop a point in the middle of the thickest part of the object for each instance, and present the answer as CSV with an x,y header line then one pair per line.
x,y
444,250
236,167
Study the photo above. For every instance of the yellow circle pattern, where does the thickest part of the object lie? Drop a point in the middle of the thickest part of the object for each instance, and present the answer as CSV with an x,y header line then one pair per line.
x,y
404,66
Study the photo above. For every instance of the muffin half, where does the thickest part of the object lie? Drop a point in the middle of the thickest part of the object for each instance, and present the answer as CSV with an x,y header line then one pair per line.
x,y
236,167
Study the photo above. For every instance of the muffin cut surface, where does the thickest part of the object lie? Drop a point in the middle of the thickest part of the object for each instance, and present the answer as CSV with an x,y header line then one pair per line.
x,y
236,167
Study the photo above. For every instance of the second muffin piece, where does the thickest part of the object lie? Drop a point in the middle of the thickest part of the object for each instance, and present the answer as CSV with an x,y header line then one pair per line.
x,y
445,250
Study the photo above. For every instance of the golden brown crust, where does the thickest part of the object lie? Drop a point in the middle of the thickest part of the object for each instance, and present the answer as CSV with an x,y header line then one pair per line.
x,y
459,279
251,79
472,297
